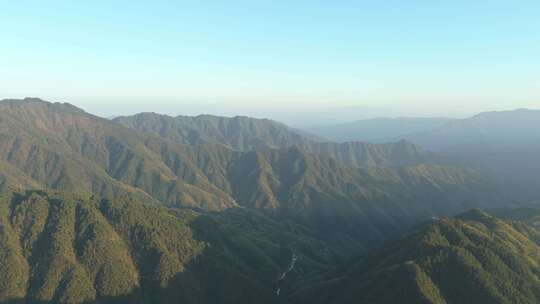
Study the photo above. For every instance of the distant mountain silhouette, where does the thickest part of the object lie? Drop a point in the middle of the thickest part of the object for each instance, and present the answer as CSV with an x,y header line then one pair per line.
x,y
504,145
502,128
378,130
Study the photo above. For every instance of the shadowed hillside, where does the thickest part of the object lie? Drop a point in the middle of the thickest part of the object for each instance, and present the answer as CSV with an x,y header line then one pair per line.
x,y
474,258
64,248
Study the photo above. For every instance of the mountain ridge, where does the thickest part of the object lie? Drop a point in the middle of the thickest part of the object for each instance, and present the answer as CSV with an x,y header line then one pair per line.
x,y
242,137
79,152
67,248
501,144
378,130
472,258
238,133
92,211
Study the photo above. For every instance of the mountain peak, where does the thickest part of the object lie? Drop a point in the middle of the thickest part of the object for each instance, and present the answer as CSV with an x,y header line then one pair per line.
x,y
508,113
238,132
38,102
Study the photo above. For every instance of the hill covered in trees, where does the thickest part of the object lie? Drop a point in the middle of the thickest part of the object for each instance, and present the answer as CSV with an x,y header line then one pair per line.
x,y
66,248
473,258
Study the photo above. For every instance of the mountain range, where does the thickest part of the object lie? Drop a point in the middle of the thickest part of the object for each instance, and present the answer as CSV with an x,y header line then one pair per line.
x,y
498,128
153,208
380,129
67,248
500,144
381,188
237,133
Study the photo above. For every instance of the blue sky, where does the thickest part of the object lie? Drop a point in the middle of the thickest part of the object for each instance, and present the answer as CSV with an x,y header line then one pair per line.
x,y
410,57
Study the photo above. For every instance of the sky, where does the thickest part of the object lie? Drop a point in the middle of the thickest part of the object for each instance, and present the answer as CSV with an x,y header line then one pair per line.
x,y
281,59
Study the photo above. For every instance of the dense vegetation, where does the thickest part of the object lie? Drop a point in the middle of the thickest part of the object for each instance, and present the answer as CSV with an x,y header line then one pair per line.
x,y
65,248
474,258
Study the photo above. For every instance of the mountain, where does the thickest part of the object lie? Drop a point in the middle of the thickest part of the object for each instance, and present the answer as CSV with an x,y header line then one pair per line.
x,y
361,154
499,129
526,214
381,189
473,258
61,147
325,184
330,197
93,211
246,134
238,133
66,248
378,130
503,144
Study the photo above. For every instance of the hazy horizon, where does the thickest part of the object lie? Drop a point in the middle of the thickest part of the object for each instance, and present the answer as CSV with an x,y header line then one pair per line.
x,y
295,116
332,62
